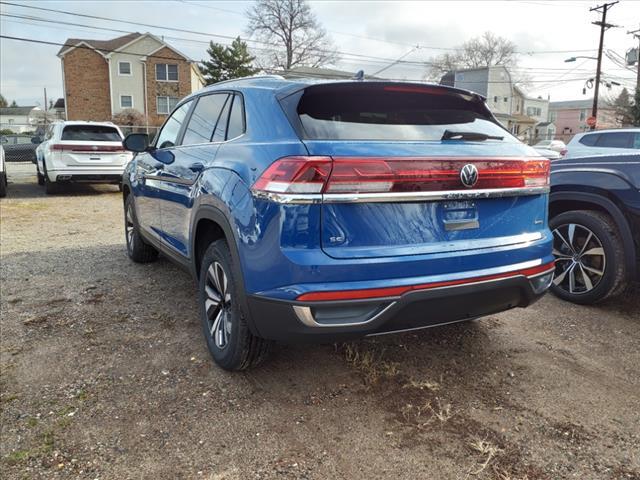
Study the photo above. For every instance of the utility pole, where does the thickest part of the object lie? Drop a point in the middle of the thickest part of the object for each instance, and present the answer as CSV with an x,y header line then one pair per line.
x,y
636,33
45,105
603,27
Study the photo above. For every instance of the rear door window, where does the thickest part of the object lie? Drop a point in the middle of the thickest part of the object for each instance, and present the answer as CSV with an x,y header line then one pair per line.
x,y
90,133
391,112
615,140
219,134
204,118
589,140
236,118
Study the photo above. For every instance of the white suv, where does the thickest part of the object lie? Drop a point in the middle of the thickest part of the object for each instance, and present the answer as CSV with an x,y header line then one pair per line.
x,y
88,152
602,142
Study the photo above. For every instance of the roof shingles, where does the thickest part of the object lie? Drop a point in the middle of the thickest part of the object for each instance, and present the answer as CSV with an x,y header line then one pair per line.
x,y
104,46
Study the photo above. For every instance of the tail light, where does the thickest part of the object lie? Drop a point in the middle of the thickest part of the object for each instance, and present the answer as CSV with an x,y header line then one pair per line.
x,y
380,175
61,147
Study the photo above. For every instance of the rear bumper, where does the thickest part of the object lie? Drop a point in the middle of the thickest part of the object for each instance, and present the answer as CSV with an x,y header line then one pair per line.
x,y
87,175
422,308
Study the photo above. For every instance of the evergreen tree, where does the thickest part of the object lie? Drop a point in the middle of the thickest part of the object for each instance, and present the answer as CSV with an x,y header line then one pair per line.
x,y
226,63
635,110
14,104
622,107
3,101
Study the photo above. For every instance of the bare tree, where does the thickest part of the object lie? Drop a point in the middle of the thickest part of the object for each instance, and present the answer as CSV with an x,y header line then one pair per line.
x,y
483,51
297,37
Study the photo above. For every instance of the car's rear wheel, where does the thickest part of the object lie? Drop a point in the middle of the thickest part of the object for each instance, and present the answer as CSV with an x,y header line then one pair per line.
x,y
224,322
590,264
138,250
3,184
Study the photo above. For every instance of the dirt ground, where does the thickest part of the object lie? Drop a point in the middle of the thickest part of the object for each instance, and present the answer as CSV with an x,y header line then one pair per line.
x,y
105,375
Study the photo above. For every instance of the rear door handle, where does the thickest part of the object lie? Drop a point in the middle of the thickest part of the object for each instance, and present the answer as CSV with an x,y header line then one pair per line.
x,y
196,167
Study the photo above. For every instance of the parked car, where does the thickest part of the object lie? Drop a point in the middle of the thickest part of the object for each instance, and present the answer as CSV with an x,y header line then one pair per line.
x,y
18,148
3,174
89,152
555,145
336,210
601,142
595,219
550,154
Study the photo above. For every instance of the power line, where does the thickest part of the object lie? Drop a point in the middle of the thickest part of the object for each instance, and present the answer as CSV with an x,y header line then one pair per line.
x,y
229,37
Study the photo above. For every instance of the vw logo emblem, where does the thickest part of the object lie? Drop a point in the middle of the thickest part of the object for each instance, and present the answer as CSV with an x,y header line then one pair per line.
x,y
469,175
94,147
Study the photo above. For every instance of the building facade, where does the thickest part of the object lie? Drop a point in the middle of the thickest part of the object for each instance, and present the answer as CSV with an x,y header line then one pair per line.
x,y
20,119
521,115
570,117
103,78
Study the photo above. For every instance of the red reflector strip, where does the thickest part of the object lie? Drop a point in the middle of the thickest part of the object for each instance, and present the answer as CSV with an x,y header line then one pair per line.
x,y
87,148
398,291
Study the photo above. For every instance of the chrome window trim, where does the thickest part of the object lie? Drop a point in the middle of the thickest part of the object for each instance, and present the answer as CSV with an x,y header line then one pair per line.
x,y
387,197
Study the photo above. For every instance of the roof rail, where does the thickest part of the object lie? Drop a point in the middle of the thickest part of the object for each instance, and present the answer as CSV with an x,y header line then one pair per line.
x,y
251,77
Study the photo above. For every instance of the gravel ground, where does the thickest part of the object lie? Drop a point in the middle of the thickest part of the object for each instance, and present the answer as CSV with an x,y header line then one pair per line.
x,y
104,374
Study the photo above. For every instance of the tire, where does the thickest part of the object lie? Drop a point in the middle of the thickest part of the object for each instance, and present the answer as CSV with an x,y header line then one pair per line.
x,y
138,250
224,323
50,187
590,262
3,185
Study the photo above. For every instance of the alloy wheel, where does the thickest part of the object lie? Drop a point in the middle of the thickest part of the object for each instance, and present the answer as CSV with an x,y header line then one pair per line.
x,y
580,259
217,304
128,226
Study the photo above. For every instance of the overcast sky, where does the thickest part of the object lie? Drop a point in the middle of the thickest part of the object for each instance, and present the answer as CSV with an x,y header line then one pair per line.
x,y
385,30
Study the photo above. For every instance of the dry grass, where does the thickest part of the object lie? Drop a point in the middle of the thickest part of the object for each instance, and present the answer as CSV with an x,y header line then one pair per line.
x,y
369,362
487,450
422,385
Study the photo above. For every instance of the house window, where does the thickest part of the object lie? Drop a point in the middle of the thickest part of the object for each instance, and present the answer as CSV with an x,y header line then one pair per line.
x,y
165,105
126,101
506,99
124,68
495,99
166,72
583,115
552,116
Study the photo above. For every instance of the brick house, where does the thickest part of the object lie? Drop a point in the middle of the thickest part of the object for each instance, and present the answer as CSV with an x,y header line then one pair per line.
x,y
101,78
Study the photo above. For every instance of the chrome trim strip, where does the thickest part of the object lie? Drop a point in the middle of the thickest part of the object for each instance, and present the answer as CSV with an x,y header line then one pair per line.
x,y
304,314
167,179
413,329
301,198
289,198
432,196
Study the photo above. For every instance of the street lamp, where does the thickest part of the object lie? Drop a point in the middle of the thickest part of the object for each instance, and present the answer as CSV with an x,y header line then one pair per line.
x,y
573,59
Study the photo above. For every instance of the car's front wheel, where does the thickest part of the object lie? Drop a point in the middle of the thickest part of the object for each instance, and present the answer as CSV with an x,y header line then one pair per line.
x,y
590,263
138,250
224,323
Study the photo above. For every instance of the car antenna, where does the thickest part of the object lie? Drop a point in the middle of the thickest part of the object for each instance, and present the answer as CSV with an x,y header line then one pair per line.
x,y
359,76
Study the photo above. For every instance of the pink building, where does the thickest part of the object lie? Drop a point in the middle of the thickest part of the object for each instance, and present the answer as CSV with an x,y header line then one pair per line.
x,y
570,117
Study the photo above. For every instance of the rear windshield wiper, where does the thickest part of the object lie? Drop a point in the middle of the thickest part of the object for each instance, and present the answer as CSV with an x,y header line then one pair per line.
x,y
471,136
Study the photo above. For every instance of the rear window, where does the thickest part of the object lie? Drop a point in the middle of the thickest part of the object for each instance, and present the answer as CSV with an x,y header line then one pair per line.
x,y
616,140
390,112
91,133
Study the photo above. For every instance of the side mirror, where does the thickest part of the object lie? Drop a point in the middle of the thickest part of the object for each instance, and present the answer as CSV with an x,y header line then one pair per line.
x,y
136,142
36,140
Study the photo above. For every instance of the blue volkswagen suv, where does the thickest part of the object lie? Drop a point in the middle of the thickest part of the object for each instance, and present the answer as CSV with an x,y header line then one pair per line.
x,y
332,210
